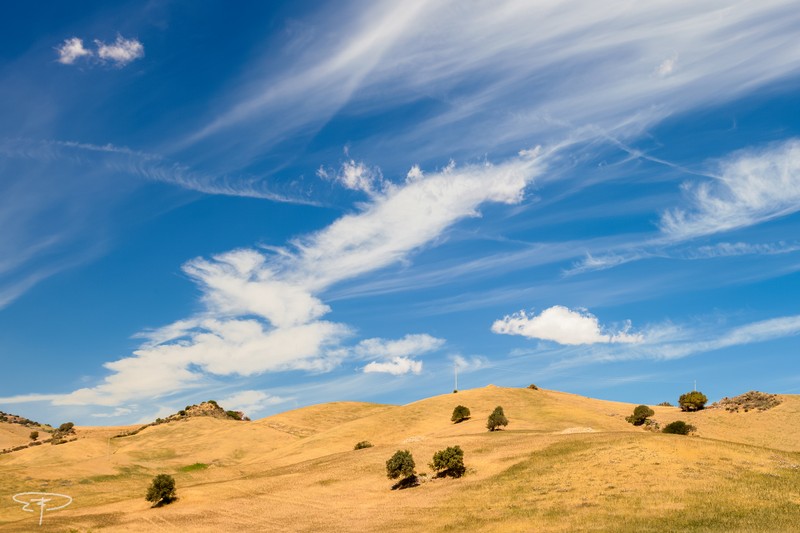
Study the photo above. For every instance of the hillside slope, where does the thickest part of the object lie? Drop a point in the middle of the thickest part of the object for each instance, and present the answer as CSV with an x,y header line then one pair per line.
x,y
564,463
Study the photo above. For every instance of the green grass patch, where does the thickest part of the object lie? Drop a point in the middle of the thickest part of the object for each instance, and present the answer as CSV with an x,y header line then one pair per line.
x,y
193,468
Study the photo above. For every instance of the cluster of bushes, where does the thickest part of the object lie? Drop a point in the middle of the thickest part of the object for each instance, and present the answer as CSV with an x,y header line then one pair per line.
x,y
15,419
446,463
60,435
690,401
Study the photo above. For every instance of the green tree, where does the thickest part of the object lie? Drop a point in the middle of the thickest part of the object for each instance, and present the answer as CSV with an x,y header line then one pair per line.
x,y
161,490
449,462
640,414
363,444
460,413
496,419
679,427
692,401
66,427
34,435
400,465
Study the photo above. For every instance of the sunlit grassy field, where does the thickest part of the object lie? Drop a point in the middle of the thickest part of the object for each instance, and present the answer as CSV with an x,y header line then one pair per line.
x,y
564,463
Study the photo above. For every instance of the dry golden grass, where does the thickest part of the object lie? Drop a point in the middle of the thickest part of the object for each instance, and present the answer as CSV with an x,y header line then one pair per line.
x,y
12,435
564,463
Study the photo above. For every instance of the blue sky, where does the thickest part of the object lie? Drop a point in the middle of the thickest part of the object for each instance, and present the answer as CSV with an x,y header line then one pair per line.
x,y
292,203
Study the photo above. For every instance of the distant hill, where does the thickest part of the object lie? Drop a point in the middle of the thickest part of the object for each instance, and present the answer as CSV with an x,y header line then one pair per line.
x,y
204,409
564,463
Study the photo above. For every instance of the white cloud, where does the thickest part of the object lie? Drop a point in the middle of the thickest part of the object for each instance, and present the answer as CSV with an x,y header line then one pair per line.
x,y
121,52
71,50
414,174
396,353
752,186
119,411
408,345
250,402
358,177
397,366
470,364
262,310
667,67
562,325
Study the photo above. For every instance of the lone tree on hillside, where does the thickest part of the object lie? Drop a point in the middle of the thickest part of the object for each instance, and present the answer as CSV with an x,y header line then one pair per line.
x,y
401,465
449,462
460,413
640,414
161,490
496,419
692,401
34,435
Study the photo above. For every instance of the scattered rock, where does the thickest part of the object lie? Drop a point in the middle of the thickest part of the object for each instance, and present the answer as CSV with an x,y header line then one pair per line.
x,y
748,401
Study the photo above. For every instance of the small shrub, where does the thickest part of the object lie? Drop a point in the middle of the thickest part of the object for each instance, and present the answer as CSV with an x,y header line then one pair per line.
x,y
66,427
212,402
679,427
640,414
533,387
34,435
161,490
449,462
236,415
665,404
496,419
460,413
363,444
400,465
455,391
692,401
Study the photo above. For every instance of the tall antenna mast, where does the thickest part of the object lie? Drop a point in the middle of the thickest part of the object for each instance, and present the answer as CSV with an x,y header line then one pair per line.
x,y
695,385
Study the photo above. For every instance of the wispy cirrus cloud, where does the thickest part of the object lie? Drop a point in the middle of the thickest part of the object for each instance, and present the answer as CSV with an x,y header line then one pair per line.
x,y
743,189
752,186
668,341
485,69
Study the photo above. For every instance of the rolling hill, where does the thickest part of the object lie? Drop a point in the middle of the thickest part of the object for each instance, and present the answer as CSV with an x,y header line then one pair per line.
x,y
564,463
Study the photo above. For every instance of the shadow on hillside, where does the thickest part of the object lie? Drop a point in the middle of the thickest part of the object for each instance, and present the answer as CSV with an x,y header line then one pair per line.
x,y
162,503
406,483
